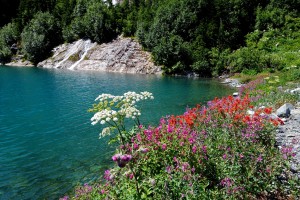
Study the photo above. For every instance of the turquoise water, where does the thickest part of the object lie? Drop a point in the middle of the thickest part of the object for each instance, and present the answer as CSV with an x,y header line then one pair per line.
x,y
47,144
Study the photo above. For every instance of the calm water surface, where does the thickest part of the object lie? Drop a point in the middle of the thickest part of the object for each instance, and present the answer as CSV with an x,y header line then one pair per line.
x,y
47,144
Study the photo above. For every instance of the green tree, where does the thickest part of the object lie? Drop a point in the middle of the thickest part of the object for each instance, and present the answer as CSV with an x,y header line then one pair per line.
x,y
40,36
9,35
93,20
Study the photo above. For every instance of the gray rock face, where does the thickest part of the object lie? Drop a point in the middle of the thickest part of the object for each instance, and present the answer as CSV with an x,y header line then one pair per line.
x,y
285,110
295,91
121,55
288,135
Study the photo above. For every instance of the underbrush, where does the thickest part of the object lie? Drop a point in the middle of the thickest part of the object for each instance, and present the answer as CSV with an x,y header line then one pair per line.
x,y
214,151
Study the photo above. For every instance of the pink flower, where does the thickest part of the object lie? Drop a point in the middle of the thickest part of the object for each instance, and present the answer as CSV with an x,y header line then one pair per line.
x,y
135,146
204,149
168,169
259,159
194,149
226,182
121,160
164,146
224,156
144,150
116,157
108,176
131,176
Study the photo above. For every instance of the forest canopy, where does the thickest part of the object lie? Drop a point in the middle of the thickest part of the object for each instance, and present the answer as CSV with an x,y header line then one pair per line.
x,y
207,37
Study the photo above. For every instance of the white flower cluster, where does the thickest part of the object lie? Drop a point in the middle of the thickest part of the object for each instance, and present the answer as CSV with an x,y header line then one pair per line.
x,y
124,104
106,131
104,97
104,116
130,112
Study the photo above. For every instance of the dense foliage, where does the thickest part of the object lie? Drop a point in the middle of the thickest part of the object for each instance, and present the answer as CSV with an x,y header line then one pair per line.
x,y
208,37
40,36
222,150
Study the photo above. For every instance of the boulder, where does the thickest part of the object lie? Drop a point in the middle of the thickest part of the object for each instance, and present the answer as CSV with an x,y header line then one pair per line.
x,y
295,91
235,94
285,110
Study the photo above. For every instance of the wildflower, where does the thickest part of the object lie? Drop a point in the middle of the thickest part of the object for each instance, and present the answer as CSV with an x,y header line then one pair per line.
x,y
144,150
135,146
204,149
65,198
121,160
168,169
108,176
116,157
105,132
259,159
131,176
194,149
164,146
226,182
224,156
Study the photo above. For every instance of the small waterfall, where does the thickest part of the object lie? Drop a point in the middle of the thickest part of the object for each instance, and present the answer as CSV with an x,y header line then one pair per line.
x,y
69,53
87,46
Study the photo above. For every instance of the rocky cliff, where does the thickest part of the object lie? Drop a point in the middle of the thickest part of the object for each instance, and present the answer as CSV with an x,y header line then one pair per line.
x,y
121,55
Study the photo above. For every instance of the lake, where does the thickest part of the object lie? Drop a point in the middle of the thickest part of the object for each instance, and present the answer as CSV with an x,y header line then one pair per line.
x,y
47,142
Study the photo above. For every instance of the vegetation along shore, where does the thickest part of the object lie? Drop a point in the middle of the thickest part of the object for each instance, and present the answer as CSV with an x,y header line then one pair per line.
x,y
207,38
244,146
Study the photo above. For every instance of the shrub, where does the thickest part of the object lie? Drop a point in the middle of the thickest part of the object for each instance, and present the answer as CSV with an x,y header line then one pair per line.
x,y
218,151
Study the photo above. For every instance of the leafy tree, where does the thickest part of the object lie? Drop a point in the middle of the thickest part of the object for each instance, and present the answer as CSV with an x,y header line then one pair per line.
x,y
92,20
40,36
9,35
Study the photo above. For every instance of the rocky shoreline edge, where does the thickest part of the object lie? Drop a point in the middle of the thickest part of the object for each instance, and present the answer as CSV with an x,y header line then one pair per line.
x,y
287,134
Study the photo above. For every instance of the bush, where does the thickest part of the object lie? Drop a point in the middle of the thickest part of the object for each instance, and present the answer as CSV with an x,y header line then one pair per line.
x,y
40,36
218,151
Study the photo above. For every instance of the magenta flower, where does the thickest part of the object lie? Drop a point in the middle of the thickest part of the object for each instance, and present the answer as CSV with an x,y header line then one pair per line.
x,y
116,157
194,149
259,159
144,150
164,146
121,160
108,176
224,156
226,182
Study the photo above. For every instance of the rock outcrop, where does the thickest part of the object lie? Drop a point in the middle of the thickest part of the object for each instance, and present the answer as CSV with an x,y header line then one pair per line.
x,y
288,136
121,55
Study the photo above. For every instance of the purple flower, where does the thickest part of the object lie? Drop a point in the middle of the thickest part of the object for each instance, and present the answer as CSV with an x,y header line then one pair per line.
x,y
122,160
164,146
204,149
144,150
194,149
116,157
226,182
126,158
108,176
168,169
259,159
